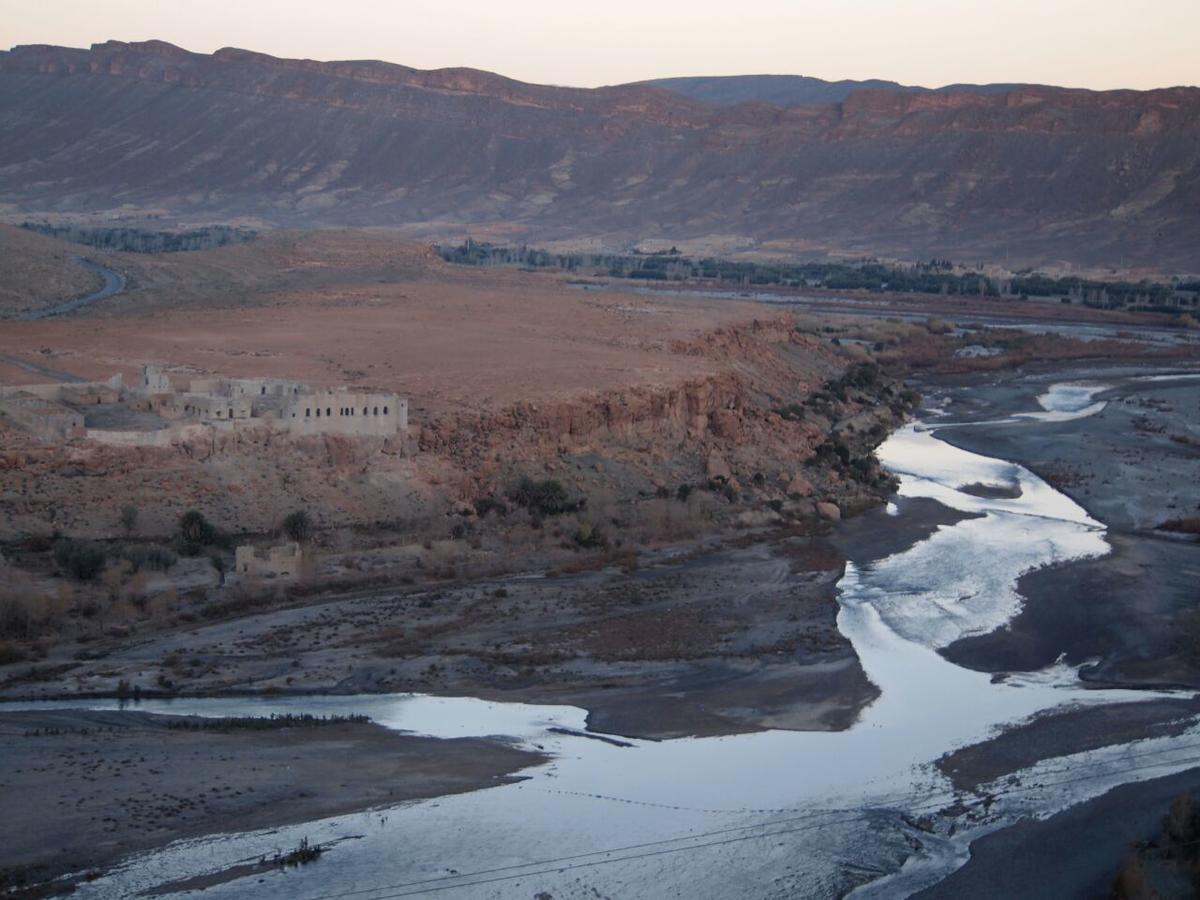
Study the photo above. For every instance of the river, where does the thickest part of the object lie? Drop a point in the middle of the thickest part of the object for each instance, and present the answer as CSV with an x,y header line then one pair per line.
x,y
776,813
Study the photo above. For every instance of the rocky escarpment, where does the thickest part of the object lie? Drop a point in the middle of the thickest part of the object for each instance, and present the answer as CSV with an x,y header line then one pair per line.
x,y
767,418
1030,175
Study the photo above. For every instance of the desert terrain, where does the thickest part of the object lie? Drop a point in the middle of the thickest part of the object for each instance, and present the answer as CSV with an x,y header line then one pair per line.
x,y
504,453
716,487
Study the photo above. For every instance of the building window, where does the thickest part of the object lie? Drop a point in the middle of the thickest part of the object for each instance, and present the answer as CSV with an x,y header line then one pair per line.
x,y
364,411
318,412
385,411
307,412
328,411
263,389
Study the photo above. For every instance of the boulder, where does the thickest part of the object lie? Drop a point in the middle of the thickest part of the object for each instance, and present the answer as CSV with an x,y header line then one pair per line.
x,y
716,467
829,511
799,486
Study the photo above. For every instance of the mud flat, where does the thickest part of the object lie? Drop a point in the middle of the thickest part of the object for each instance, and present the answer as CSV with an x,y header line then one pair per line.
x,y
93,787
1132,464
1073,854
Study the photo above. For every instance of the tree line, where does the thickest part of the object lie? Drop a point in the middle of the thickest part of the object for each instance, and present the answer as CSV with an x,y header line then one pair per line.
x,y
137,240
935,276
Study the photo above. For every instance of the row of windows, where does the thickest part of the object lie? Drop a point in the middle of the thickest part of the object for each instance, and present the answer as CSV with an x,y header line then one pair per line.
x,y
345,411
199,410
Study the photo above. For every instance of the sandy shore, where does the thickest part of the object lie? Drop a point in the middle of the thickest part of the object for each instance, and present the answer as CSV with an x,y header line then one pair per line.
x,y
94,787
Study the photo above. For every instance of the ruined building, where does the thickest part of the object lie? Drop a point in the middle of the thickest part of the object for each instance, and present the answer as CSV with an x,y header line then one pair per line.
x,y
156,411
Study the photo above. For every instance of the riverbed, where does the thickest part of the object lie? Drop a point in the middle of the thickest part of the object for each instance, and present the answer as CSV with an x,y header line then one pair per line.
x,y
766,814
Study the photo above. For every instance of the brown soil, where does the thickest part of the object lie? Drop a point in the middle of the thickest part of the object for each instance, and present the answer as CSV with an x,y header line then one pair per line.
x,y
338,308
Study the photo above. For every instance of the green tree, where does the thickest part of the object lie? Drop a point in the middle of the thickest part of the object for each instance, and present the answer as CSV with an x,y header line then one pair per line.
x,y
129,518
297,526
195,532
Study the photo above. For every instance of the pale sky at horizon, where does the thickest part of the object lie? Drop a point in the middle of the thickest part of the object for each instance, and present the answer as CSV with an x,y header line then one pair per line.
x,y
1099,44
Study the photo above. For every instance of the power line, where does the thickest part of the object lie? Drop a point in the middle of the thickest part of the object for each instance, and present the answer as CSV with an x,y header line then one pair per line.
x,y
438,884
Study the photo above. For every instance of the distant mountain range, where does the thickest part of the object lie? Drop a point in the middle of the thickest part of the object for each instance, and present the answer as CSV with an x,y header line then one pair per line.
x,y
798,90
1032,175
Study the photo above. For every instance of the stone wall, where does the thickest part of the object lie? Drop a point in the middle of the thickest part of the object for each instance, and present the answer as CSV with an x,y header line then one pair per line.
x,y
44,419
345,412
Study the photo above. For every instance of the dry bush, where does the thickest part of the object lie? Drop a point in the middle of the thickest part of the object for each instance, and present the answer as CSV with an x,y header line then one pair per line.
x,y
854,352
1131,883
27,614
442,559
1189,525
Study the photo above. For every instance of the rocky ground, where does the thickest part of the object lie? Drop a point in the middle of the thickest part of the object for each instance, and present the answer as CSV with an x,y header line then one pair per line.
x,y
93,787
715,637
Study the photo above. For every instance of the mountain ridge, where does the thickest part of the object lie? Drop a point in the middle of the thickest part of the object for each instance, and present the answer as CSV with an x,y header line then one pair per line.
x,y
799,90
1034,174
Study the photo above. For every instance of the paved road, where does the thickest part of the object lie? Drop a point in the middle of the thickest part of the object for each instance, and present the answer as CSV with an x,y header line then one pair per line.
x,y
114,283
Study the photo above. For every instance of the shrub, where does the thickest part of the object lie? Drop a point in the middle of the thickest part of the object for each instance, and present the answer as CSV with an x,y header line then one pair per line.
x,y
485,505
1182,526
39,543
683,492
11,653
297,526
129,518
195,533
543,498
150,556
16,619
81,560
862,375
589,537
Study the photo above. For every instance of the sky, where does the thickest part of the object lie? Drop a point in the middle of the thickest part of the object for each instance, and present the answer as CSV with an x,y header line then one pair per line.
x,y
1099,44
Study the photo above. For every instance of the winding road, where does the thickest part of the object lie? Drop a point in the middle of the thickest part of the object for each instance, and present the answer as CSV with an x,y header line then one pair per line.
x,y
114,283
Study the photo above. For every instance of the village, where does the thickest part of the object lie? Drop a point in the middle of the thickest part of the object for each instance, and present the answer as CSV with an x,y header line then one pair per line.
x,y
159,411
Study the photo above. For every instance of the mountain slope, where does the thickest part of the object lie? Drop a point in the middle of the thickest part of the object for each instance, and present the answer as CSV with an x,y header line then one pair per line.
x,y
1034,175
36,271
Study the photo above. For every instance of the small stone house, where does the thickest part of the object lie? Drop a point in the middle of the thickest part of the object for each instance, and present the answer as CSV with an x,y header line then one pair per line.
x,y
281,561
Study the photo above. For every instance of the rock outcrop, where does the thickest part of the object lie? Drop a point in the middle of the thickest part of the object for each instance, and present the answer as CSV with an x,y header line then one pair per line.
x,y
723,428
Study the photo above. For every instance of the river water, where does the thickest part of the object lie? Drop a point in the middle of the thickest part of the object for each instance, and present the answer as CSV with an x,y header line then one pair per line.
x,y
776,813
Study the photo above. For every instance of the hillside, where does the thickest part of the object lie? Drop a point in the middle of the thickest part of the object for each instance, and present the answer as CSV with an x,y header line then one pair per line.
x,y
36,271
1035,176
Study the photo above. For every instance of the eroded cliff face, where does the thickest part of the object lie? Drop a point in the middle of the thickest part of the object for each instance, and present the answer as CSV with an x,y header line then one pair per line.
x,y
726,426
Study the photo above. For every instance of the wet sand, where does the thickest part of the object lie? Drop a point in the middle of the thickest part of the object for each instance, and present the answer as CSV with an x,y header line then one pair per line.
x,y
1131,466
1047,735
94,787
1074,854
